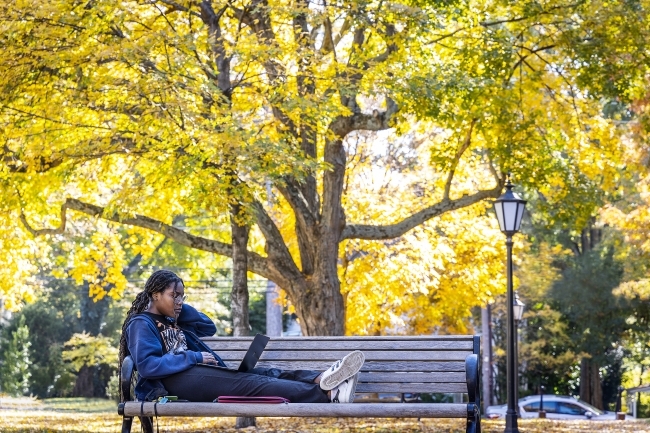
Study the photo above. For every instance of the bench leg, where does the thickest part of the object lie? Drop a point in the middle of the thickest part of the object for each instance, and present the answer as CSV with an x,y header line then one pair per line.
x,y
473,419
127,421
147,423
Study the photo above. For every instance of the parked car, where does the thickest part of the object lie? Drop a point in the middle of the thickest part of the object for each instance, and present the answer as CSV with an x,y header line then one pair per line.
x,y
555,406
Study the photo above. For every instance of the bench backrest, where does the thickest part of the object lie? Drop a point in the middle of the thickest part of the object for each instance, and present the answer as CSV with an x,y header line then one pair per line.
x,y
393,364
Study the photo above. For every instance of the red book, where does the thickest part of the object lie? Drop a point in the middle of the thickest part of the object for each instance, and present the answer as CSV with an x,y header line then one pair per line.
x,y
251,399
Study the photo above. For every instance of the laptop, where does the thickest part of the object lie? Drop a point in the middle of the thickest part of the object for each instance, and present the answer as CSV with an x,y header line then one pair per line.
x,y
250,358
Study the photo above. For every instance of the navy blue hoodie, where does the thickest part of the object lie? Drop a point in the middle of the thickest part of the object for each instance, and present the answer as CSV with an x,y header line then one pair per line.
x,y
145,346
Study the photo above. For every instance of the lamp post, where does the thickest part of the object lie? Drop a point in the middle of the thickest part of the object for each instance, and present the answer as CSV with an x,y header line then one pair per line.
x,y
510,210
518,310
619,415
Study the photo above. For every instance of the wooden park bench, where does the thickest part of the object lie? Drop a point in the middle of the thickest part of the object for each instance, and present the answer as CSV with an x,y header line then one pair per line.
x,y
396,365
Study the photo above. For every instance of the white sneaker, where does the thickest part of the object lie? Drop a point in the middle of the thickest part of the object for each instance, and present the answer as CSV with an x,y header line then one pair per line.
x,y
342,370
344,393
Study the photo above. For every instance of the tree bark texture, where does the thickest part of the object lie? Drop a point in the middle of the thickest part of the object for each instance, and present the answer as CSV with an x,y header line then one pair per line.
x,y
239,295
591,389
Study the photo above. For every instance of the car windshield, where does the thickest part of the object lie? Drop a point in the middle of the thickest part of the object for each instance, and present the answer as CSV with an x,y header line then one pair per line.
x,y
595,410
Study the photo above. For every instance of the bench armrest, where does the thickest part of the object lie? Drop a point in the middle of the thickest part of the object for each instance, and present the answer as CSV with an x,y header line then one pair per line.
x,y
473,394
472,374
126,373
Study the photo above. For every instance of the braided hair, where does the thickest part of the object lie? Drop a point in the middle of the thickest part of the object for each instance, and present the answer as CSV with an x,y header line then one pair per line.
x,y
157,282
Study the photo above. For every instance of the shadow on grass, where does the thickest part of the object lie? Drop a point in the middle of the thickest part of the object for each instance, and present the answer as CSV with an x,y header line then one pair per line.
x,y
79,404
84,405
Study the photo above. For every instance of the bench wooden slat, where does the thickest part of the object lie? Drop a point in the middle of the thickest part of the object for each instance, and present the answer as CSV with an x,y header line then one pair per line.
x,y
332,355
225,345
414,377
411,387
456,338
405,366
407,410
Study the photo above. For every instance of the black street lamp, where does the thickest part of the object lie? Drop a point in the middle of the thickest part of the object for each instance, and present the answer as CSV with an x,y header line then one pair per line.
x,y
510,210
518,308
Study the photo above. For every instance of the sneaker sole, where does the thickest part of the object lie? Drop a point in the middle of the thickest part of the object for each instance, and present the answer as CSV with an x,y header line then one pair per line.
x,y
350,365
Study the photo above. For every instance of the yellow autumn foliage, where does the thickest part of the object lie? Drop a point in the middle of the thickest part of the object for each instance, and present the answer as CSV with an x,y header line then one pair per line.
x,y
85,350
161,116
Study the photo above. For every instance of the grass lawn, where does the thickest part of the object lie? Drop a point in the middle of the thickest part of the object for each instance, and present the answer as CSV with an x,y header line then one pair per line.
x,y
99,416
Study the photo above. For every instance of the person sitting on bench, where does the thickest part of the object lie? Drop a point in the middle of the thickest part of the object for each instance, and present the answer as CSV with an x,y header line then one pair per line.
x,y
162,335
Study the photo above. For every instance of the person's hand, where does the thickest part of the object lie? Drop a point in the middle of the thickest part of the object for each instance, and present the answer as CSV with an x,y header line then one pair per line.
x,y
208,358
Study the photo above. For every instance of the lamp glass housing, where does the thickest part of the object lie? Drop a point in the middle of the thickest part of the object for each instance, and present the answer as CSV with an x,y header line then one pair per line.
x,y
518,308
510,210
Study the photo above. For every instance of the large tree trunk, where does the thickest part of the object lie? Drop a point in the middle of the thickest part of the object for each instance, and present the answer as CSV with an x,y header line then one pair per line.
x,y
591,390
317,297
320,306
239,294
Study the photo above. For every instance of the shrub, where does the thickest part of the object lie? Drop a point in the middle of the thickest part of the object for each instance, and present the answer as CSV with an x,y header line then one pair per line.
x,y
15,368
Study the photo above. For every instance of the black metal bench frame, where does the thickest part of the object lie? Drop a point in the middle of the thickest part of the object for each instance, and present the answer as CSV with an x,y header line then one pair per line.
x,y
410,364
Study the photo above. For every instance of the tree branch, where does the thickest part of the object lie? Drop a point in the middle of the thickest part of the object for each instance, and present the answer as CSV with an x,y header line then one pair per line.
x,y
347,24
390,231
275,245
256,263
445,36
306,223
221,59
522,58
257,18
41,164
499,179
532,15
454,163
377,121
292,193
174,6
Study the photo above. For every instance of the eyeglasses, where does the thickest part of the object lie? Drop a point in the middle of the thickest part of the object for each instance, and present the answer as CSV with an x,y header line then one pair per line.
x,y
178,298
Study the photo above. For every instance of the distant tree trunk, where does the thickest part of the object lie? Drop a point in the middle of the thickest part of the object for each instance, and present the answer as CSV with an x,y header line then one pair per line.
x,y
91,320
84,385
92,313
89,382
239,294
591,389
486,362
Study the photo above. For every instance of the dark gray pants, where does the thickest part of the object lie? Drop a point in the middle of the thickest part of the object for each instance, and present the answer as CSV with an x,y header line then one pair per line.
x,y
203,384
